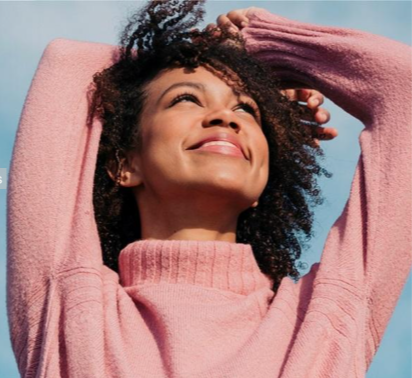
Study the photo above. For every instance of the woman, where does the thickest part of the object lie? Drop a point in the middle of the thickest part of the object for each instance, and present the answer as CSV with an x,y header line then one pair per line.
x,y
181,85
202,305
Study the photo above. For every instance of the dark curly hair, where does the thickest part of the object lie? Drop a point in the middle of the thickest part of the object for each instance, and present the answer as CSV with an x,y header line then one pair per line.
x,y
162,36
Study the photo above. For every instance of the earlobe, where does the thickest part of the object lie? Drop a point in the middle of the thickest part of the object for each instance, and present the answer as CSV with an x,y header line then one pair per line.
x,y
128,172
129,179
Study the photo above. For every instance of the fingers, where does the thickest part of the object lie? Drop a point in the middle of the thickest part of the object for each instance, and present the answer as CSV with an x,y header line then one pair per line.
x,y
324,133
235,20
313,100
321,115
217,29
213,27
291,94
224,21
238,18
312,97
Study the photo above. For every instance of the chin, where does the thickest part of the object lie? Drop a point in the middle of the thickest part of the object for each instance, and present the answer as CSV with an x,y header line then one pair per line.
x,y
232,187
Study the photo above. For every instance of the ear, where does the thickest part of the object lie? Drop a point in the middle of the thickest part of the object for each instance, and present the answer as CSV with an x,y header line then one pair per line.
x,y
130,175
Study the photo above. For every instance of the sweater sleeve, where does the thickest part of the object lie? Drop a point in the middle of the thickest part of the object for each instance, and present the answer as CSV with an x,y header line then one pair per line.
x,y
369,76
50,220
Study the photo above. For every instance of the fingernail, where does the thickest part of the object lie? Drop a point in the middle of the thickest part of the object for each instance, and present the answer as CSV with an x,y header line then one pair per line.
x,y
315,102
323,117
243,24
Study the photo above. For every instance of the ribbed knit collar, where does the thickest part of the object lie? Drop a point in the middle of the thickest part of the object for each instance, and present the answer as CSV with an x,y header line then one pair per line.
x,y
213,264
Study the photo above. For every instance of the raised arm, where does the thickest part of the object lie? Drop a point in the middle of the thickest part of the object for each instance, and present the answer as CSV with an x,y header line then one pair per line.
x,y
369,76
50,220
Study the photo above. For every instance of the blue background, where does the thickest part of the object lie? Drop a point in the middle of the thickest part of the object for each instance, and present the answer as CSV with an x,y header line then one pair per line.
x,y
27,27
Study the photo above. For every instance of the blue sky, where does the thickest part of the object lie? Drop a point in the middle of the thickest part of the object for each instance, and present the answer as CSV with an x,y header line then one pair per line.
x,y
27,27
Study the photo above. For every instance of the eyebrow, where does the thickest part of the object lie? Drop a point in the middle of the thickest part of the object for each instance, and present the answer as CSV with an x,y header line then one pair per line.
x,y
192,84
198,86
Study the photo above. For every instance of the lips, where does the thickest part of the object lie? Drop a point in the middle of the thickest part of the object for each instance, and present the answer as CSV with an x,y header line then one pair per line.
x,y
222,143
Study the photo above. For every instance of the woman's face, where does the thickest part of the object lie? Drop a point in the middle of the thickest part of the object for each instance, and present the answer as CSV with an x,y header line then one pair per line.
x,y
199,139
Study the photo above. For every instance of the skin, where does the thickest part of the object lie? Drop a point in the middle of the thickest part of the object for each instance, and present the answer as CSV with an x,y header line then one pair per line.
x,y
235,21
195,194
187,194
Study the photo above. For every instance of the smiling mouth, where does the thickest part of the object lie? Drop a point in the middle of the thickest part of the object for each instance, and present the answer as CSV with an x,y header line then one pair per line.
x,y
220,147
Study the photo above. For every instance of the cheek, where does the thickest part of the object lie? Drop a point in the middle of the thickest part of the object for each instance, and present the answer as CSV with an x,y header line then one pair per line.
x,y
158,134
262,160
262,150
161,144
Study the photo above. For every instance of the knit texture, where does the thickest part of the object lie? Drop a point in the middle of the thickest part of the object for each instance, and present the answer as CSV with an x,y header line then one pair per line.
x,y
188,309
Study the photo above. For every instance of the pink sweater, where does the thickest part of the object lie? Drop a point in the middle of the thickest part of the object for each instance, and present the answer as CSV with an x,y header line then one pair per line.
x,y
188,309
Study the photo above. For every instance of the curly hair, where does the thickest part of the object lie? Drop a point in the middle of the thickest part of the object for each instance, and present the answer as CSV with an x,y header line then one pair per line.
x,y
161,36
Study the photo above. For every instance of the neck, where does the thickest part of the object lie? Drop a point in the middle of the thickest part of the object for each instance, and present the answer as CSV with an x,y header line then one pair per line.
x,y
178,220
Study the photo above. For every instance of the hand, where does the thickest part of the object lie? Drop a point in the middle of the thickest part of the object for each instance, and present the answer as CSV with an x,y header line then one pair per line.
x,y
234,21
320,115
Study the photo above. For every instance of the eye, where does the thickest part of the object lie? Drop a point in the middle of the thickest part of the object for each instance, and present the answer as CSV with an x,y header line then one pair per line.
x,y
249,107
184,97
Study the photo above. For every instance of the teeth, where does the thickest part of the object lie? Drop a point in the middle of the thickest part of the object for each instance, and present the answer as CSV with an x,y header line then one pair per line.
x,y
219,143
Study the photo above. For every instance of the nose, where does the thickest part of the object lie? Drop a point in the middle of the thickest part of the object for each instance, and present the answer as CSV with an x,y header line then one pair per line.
x,y
222,117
